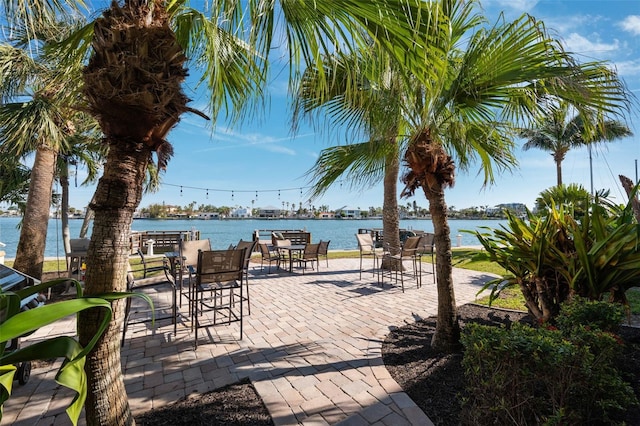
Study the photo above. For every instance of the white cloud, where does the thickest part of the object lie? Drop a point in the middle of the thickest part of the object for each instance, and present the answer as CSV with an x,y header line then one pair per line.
x,y
279,149
628,68
230,139
583,45
514,5
631,24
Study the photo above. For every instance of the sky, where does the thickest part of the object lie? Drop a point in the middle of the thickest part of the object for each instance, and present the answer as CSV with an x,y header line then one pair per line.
x,y
261,163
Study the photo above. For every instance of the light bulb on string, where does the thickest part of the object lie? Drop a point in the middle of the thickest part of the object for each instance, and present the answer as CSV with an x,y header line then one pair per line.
x,y
256,195
278,194
181,191
232,196
207,194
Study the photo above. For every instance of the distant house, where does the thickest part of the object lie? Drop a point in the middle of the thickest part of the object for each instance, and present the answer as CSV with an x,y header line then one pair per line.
x,y
208,215
241,212
326,215
349,212
269,211
517,208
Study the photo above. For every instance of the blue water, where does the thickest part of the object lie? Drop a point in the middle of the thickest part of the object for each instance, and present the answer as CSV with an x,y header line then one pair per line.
x,y
225,232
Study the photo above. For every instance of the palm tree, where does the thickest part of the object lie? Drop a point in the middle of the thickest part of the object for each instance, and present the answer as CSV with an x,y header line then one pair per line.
x,y
364,97
84,148
557,133
36,116
572,196
483,82
133,88
14,181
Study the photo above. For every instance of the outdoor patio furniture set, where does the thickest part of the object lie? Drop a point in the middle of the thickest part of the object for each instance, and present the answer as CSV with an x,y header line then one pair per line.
x,y
390,263
214,284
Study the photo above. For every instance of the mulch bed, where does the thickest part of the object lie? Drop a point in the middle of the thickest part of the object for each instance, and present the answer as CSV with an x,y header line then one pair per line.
x,y
436,381
234,405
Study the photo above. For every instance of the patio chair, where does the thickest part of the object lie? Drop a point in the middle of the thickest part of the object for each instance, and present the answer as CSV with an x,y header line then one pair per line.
x,y
216,298
153,264
187,261
137,310
368,249
249,246
309,255
323,251
395,262
268,256
426,246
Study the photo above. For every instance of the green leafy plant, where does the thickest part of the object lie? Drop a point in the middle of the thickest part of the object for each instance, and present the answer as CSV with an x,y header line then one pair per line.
x,y
553,256
547,375
16,323
593,314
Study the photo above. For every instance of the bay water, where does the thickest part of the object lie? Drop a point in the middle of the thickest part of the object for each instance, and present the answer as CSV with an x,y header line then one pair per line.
x,y
222,233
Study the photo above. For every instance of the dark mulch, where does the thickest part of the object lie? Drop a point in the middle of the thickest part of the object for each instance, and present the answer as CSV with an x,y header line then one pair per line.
x,y
436,381
234,405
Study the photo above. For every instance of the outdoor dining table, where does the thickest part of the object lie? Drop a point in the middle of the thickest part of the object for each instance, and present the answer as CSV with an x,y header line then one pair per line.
x,y
291,249
174,258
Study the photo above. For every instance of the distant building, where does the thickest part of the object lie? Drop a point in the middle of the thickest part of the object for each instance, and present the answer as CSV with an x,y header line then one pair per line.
x,y
349,212
326,215
208,215
241,212
269,211
518,208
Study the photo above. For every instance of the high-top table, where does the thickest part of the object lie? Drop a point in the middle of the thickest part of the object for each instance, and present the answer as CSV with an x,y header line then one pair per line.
x,y
291,249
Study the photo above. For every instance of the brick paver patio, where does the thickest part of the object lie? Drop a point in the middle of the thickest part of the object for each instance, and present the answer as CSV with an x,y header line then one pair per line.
x,y
311,347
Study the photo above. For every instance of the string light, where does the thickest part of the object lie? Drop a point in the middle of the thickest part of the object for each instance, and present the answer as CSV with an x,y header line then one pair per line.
x,y
233,191
207,194
256,195
231,195
181,191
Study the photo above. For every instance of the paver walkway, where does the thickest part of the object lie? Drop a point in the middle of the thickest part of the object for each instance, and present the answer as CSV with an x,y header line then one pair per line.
x,y
312,349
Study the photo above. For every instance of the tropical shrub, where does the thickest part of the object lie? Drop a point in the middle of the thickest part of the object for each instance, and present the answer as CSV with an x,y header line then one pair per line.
x,y
545,375
15,323
596,315
572,195
554,256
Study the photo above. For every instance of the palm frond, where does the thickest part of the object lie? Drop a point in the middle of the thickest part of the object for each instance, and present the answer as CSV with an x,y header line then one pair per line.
x,y
359,164
25,126
230,67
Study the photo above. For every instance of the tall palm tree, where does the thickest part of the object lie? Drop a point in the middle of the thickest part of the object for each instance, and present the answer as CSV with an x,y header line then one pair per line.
x,y
36,116
483,81
557,132
133,87
364,98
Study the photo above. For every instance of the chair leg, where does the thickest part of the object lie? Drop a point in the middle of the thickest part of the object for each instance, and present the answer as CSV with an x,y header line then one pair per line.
x,y
248,300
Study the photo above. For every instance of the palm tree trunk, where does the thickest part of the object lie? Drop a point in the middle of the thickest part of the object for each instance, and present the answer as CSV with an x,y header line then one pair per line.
x,y
390,216
64,206
559,171
30,250
117,196
447,335
628,186
88,215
